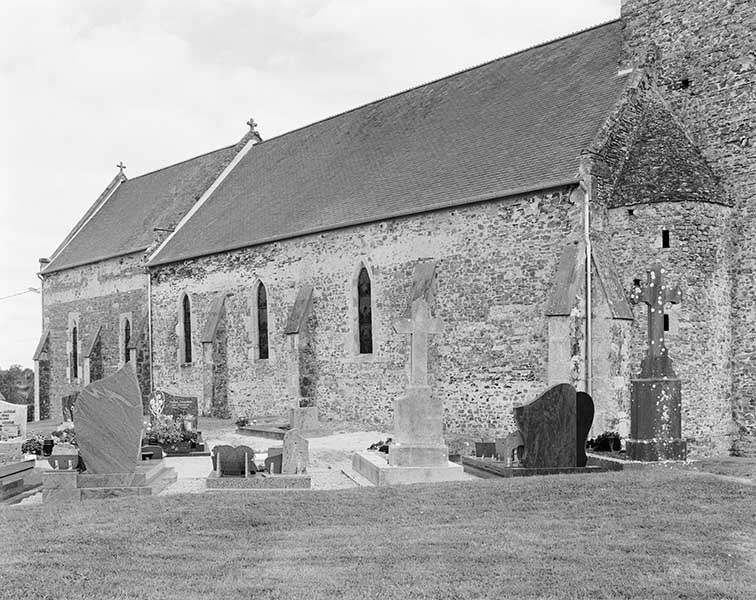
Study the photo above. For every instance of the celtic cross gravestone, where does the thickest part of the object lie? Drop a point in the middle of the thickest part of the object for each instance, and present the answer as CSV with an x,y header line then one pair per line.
x,y
656,398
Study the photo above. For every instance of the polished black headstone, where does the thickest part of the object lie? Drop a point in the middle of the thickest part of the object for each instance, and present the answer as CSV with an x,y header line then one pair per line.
x,y
584,420
554,428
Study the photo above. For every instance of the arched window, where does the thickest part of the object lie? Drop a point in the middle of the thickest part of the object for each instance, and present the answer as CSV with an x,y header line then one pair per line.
x,y
262,322
75,352
187,321
364,312
126,340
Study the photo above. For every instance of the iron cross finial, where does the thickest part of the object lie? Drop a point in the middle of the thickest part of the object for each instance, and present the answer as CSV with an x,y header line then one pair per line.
x,y
121,167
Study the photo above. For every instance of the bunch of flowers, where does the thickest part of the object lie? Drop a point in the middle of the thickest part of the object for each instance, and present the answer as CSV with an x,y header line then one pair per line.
x,y
64,433
164,431
33,445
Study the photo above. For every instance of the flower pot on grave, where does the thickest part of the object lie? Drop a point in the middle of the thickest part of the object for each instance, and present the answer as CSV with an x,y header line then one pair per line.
x,y
47,447
178,448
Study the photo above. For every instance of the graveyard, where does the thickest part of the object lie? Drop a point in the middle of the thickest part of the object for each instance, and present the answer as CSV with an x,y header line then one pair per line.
x,y
154,500
294,517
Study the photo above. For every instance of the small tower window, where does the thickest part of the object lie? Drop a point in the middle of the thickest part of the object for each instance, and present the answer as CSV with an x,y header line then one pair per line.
x,y
636,283
364,312
666,322
126,340
665,238
186,310
262,322
75,352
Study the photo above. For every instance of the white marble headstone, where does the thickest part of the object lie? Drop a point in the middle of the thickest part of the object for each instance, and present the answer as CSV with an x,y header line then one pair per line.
x,y
12,420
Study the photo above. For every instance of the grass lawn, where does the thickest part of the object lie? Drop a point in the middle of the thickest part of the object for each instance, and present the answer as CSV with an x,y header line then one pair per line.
x,y
653,534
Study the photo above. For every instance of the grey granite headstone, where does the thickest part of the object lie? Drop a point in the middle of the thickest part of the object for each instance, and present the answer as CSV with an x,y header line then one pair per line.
x,y
296,453
108,421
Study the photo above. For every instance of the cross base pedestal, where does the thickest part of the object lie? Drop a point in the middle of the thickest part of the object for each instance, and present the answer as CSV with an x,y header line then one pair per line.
x,y
655,426
418,418
374,466
414,455
657,449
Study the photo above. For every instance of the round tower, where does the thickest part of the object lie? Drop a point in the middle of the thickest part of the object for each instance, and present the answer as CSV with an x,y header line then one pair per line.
x,y
706,72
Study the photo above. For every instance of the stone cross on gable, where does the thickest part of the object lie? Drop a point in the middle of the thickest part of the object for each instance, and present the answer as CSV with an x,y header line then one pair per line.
x,y
656,294
121,167
419,326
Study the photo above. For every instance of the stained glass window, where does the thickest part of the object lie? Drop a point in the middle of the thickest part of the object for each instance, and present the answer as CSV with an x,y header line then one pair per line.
x,y
126,340
262,322
364,312
187,330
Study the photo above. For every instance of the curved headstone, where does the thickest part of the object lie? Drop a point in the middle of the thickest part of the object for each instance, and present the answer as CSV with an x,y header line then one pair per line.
x,y
108,422
232,460
584,418
549,427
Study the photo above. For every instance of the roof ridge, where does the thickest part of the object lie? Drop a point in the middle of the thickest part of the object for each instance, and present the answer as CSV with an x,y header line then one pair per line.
x,y
449,76
181,162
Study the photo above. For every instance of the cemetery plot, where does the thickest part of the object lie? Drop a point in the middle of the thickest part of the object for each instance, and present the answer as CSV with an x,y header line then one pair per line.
x,y
284,468
550,438
108,421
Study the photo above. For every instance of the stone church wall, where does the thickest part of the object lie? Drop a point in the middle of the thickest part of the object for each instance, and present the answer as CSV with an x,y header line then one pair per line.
x,y
99,293
706,71
496,265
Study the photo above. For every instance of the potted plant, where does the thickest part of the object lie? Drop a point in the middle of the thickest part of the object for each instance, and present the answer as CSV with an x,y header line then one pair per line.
x,y
33,445
609,441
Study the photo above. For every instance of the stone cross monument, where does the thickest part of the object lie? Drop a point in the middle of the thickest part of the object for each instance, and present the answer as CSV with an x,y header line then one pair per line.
x,y
418,417
655,401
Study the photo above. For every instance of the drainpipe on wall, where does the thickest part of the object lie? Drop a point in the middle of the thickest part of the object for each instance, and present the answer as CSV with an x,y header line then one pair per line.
x,y
149,327
588,285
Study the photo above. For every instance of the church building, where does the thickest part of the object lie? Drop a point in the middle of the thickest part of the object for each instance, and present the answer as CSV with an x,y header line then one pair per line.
x,y
526,198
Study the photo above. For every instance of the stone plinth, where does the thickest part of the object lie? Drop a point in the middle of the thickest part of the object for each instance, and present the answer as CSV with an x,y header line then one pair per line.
x,y
374,466
260,481
418,426
16,478
655,422
489,469
149,478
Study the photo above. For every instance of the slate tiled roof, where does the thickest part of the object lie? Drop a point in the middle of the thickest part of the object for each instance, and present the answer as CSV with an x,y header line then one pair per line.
x,y
516,123
124,224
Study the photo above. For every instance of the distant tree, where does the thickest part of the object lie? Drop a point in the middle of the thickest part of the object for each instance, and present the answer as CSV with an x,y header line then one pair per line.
x,y
17,385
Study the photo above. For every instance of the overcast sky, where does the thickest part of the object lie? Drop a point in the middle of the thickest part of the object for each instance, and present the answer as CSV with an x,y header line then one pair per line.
x,y
86,84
